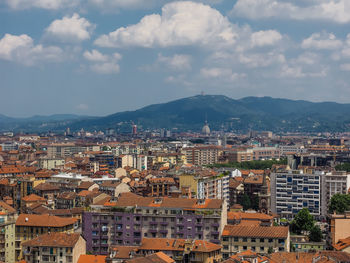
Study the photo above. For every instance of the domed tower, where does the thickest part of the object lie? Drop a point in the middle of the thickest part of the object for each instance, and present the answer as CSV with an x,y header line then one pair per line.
x,y
206,129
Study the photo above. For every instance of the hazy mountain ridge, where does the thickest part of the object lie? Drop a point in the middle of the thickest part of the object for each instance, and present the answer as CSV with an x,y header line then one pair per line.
x,y
257,113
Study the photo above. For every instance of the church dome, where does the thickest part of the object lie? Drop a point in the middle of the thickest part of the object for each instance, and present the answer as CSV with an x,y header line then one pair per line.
x,y
206,129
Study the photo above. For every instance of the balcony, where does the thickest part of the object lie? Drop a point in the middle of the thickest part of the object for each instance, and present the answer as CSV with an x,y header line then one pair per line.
x,y
215,224
153,223
153,230
163,231
214,233
164,223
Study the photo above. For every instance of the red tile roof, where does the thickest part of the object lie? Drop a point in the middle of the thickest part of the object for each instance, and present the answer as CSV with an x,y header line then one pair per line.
x,y
54,239
92,259
43,221
256,231
167,244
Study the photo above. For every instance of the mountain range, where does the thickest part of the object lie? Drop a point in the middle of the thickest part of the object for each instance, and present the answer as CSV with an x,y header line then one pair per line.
x,y
221,112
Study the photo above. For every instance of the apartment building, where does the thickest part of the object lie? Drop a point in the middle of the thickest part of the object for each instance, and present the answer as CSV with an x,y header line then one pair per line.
x,y
132,217
161,186
7,233
207,184
29,226
334,183
202,155
57,150
54,247
293,190
180,250
292,149
261,239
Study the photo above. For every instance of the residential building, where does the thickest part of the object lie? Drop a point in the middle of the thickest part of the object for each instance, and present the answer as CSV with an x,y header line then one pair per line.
x,y
182,250
335,182
202,155
7,233
132,217
29,226
301,243
339,227
261,239
161,186
293,190
54,247
50,163
207,184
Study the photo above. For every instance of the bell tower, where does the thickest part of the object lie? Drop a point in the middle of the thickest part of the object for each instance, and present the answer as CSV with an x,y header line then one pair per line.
x,y
264,197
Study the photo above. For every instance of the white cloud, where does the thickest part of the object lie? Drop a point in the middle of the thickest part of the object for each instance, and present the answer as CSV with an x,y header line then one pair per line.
x,y
71,29
333,10
298,71
95,55
180,24
102,63
106,68
21,49
255,60
43,4
322,41
225,73
265,38
345,67
176,62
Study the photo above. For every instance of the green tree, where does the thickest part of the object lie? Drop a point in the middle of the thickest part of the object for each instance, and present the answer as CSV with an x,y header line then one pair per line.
x,y
245,202
339,203
303,221
315,234
343,167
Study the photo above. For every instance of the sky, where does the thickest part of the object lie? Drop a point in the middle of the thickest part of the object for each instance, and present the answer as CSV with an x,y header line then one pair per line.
x,y
98,57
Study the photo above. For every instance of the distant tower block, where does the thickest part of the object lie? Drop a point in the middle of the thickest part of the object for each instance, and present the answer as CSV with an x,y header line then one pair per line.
x,y
206,129
134,129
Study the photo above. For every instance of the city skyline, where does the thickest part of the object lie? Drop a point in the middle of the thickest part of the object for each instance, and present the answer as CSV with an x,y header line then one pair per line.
x,y
101,57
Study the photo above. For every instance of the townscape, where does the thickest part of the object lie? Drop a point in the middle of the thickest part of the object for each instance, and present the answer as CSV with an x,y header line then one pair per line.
x,y
165,196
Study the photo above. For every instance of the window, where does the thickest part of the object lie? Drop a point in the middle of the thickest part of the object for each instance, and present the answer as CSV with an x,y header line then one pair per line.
x,y
262,240
235,239
245,239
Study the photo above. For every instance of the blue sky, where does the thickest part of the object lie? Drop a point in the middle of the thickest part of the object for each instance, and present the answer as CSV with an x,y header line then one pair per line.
x,y
97,57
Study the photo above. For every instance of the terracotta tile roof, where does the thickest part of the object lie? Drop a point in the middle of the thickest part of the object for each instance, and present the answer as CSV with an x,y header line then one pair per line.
x,y
248,216
92,259
46,187
110,184
130,199
305,257
6,207
85,193
85,185
33,198
43,220
256,231
123,252
4,181
237,206
67,195
254,179
54,239
342,244
168,180
159,257
167,244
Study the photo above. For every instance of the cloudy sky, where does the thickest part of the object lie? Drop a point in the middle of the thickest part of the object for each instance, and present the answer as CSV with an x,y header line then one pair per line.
x,y
97,57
